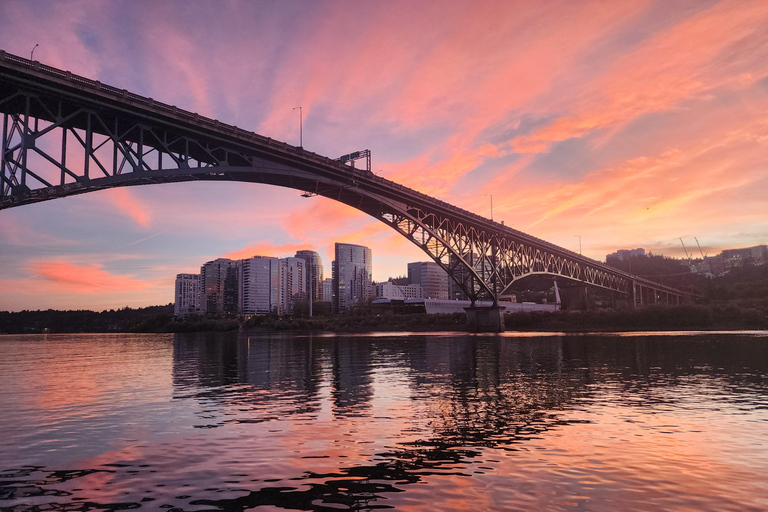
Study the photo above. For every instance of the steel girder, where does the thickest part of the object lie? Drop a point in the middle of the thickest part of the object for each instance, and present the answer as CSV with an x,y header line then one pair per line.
x,y
67,147
486,264
65,135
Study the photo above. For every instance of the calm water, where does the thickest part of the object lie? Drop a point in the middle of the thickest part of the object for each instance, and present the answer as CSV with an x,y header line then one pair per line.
x,y
409,422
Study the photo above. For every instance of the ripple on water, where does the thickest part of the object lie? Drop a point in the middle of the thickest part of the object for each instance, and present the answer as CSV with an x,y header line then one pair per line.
x,y
218,422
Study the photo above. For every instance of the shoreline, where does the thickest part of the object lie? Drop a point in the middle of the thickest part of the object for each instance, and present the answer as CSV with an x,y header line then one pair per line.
x,y
702,318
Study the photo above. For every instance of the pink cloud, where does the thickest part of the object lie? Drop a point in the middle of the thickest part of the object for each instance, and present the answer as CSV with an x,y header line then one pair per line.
x,y
126,201
717,48
701,187
84,279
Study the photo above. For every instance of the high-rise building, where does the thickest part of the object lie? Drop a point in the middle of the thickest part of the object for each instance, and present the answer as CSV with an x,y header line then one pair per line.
x,y
314,271
219,287
434,281
187,295
293,283
352,273
328,289
259,286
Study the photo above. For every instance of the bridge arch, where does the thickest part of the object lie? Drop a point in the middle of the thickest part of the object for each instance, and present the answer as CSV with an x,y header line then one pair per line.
x,y
65,135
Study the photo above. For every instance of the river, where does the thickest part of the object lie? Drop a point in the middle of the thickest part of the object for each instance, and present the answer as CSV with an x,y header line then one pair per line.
x,y
445,421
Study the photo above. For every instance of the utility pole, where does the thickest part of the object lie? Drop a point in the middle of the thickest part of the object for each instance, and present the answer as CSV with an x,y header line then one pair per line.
x,y
311,285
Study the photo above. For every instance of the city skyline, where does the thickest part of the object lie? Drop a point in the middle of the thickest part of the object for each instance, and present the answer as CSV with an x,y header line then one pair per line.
x,y
595,127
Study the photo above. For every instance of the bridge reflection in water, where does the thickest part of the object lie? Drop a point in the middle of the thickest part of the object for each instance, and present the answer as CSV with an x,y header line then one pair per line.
x,y
65,134
467,397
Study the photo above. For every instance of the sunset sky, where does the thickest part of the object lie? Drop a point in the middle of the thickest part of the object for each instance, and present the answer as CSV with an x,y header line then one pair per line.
x,y
621,124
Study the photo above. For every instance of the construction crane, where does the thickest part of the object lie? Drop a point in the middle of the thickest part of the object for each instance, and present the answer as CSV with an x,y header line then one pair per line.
x,y
702,252
704,263
686,250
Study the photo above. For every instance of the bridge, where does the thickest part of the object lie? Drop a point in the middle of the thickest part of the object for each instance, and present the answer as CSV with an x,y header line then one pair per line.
x,y
65,134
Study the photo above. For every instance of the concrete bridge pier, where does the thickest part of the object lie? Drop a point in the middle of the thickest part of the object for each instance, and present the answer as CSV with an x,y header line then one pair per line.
x,y
485,319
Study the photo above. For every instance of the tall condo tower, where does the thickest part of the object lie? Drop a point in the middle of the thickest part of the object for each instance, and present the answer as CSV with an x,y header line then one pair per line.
x,y
314,270
187,295
352,273
293,284
259,292
219,287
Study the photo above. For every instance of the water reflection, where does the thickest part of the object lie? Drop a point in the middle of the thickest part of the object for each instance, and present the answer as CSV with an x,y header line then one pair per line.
x,y
356,422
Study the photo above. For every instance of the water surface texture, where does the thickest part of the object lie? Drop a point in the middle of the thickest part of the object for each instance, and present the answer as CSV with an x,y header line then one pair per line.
x,y
406,422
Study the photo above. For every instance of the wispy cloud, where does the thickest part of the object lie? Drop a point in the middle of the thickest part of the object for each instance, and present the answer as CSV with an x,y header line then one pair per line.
x,y
71,278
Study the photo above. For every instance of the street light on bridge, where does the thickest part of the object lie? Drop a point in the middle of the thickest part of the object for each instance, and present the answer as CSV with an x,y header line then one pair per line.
x,y
301,127
491,204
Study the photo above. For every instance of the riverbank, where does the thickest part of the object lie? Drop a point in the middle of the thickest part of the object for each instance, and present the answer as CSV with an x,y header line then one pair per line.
x,y
159,319
657,318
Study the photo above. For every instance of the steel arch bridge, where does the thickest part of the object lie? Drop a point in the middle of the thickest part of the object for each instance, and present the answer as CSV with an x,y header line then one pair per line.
x,y
64,134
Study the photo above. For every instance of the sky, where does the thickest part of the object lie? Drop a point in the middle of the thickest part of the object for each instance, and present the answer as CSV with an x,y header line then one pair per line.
x,y
594,125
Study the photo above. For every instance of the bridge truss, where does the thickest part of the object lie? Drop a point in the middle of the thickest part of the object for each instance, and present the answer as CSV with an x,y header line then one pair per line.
x,y
64,134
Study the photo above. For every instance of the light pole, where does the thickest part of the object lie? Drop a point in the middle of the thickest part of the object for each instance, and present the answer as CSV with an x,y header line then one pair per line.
x,y
32,53
301,127
491,196
579,244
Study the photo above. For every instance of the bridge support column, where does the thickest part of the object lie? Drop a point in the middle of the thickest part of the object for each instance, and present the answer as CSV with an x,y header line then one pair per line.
x,y
485,319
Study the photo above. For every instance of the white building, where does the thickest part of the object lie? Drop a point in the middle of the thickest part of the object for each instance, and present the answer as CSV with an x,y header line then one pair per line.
x,y
437,306
293,283
187,295
259,286
389,290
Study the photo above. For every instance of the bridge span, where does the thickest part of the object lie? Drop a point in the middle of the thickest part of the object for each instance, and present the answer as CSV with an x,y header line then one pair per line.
x,y
65,134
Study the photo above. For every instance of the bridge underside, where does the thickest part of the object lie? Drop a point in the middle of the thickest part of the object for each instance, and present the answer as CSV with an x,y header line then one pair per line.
x,y
63,136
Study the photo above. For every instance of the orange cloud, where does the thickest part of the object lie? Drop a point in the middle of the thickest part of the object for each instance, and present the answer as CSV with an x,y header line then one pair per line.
x,y
697,188
711,50
84,279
